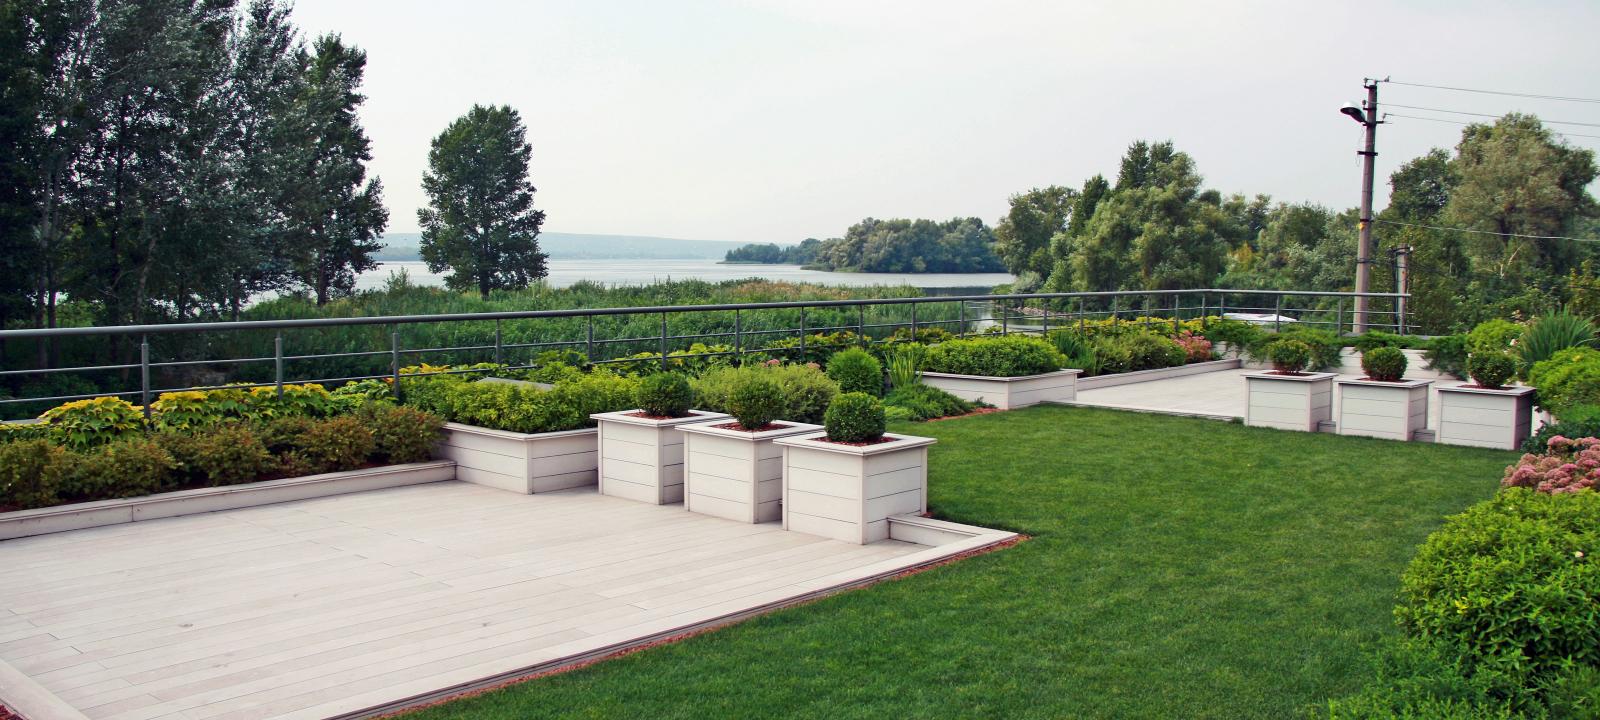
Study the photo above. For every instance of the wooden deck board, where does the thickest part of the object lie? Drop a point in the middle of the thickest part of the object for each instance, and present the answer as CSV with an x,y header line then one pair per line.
x,y
331,605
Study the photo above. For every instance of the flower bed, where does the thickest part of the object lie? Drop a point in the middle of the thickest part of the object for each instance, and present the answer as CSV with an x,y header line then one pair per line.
x,y
1008,372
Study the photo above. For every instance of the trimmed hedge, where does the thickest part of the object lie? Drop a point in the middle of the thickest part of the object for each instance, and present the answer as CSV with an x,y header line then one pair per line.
x,y
855,418
1002,356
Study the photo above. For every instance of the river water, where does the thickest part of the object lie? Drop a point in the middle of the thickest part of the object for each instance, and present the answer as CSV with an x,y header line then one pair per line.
x,y
643,272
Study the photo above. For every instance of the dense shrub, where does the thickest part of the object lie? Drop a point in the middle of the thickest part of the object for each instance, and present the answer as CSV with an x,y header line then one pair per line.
x,y
806,390
596,392
185,411
1196,348
1077,348
665,395
756,401
1550,334
1324,345
1447,354
1492,368
31,473
308,400
856,370
92,423
1109,355
1494,336
923,402
228,455
855,418
1150,352
401,434
356,393
18,432
1511,584
1289,355
1384,363
124,468
1238,334
1568,379
1375,339
1420,680
1004,356
281,435
519,407
331,445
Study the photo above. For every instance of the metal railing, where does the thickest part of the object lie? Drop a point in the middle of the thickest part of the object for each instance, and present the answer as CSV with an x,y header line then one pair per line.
x,y
1026,313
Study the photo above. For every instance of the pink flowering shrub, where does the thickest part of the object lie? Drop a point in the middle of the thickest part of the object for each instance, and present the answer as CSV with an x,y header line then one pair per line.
x,y
1196,348
1567,467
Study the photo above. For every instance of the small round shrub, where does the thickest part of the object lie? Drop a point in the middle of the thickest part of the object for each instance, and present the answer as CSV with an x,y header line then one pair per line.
x,y
755,402
1494,336
665,395
1511,583
1491,369
284,434
401,434
1384,363
31,472
84,424
125,468
1289,356
855,418
856,370
229,455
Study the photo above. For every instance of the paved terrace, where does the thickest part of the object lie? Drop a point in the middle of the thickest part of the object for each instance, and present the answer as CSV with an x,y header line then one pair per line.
x,y
341,605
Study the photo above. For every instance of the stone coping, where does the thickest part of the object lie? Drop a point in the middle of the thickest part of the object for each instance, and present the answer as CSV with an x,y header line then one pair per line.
x,y
695,416
816,441
1303,377
1507,391
513,435
997,378
795,428
1402,383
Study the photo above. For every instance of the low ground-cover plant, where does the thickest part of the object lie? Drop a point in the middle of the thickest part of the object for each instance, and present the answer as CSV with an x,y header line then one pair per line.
x,y
855,418
923,402
856,370
1384,363
806,390
1447,354
519,407
1003,356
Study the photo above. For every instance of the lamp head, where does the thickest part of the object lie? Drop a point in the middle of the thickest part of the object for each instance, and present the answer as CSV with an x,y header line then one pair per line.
x,y
1354,113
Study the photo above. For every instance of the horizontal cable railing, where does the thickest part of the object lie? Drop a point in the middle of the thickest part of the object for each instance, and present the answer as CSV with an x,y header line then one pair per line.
x,y
722,330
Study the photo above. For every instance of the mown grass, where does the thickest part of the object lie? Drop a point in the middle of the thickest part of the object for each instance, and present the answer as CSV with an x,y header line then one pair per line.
x,y
1178,568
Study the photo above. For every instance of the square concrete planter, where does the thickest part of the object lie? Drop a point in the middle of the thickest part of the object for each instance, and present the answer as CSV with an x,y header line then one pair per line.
x,y
734,474
1288,402
847,492
522,462
1392,410
1495,418
642,458
1009,393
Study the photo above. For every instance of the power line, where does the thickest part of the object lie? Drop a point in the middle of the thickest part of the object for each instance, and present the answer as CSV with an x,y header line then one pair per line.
x,y
1498,92
1463,112
1462,122
1490,232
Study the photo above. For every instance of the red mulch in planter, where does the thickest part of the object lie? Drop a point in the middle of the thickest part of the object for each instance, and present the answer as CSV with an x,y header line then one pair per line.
x,y
763,428
6,714
879,441
1286,373
648,416
1475,386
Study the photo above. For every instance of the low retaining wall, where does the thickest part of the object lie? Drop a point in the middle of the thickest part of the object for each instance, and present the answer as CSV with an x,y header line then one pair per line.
x,y
77,516
1138,376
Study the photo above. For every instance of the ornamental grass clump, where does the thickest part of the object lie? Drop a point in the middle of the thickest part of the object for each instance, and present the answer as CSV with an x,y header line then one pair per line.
x,y
755,402
665,395
1289,356
856,370
855,418
1387,364
1491,369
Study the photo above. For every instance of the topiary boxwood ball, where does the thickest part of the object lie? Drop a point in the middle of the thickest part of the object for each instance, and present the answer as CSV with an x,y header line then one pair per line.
x,y
1385,363
665,395
855,418
1290,356
755,402
856,370
1491,369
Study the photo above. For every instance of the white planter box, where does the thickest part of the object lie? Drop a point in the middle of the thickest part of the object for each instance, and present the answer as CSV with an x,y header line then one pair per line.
x,y
1009,393
1288,402
1500,418
1392,410
846,492
522,462
733,474
642,459
77,516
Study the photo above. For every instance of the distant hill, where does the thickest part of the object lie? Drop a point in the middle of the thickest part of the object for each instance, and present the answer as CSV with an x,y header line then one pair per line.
x,y
578,246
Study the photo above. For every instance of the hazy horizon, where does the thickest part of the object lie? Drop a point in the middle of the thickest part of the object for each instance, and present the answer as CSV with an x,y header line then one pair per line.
x,y
771,121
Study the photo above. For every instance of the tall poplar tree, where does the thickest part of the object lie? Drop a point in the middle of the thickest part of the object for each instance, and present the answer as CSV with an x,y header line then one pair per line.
x,y
480,224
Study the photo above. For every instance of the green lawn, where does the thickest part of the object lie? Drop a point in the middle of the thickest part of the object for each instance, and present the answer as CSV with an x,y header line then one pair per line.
x,y
1178,568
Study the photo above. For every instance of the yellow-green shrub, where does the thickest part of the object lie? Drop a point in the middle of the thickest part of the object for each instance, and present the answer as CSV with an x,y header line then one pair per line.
x,y
84,424
31,472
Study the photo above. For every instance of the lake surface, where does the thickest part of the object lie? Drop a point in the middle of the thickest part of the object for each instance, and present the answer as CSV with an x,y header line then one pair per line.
x,y
644,272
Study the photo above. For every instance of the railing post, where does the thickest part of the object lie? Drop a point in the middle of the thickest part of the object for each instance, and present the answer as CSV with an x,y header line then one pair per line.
x,y
1005,319
394,362
861,326
277,363
144,374
1146,313
961,312
1113,314
1175,305
588,338
802,334
1203,324
663,342
497,347
1338,319
913,322
1046,305
1277,314
738,338
1080,316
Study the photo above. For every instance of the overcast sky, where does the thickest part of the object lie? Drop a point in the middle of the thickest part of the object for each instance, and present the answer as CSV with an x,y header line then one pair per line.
x,y
769,120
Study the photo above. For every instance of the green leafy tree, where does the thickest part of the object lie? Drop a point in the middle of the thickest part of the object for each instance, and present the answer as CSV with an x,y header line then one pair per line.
x,y
959,245
1022,237
481,225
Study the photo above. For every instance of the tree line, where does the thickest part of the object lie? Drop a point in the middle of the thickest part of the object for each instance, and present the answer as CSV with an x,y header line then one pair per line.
x,y
170,160
1156,227
958,245
774,254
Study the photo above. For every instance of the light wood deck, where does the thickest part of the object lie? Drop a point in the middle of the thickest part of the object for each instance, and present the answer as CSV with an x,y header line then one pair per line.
x,y
321,607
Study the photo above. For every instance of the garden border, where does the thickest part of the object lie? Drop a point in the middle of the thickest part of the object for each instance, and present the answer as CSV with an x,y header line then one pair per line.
x,y
100,513
1138,376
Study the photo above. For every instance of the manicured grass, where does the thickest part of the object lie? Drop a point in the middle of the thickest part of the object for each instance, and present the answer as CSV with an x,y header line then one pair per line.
x,y
1178,568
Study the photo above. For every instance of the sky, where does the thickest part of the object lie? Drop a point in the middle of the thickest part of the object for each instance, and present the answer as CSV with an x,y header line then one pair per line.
x,y
773,121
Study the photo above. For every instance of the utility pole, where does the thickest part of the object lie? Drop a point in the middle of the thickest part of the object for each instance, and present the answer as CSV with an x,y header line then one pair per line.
x,y
1369,157
1402,285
